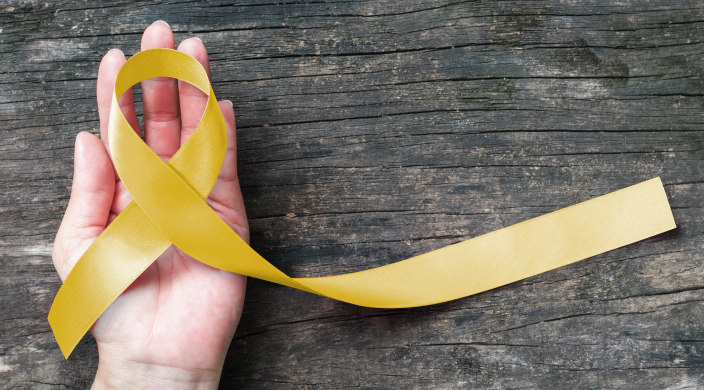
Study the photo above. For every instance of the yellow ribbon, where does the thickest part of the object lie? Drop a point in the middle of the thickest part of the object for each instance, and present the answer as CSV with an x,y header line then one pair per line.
x,y
169,207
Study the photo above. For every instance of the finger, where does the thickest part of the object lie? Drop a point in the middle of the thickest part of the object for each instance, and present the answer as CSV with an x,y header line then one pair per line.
x,y
193,100
162,119
226,197
109,67
88,209
107,72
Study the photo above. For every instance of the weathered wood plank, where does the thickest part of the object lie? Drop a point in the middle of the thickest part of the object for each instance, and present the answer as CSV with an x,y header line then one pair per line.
x,y
370,131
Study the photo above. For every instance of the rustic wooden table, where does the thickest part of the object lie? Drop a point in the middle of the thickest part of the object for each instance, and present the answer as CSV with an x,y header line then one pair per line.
x,y
370,131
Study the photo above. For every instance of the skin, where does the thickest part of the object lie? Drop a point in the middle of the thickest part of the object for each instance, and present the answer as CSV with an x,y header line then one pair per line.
x,y
172,327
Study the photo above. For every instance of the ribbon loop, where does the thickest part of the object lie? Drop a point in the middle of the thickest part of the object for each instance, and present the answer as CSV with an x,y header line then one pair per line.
x,y
199,160
169,207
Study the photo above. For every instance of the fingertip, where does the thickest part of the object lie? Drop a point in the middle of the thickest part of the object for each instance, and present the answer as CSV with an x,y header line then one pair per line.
x,y
162,22
194,47
110,64
226,104
114,52
84,135
78,146
82,143
113,57
90,157
228,112
158,35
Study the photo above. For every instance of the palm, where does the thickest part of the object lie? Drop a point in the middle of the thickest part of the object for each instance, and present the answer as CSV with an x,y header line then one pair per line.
x,y
179,312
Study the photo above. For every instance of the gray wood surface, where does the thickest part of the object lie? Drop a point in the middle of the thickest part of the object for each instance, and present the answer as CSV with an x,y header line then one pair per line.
x,y
370,131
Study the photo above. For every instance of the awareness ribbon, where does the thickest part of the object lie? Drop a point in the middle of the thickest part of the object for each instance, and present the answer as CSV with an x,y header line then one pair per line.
x,y
169,208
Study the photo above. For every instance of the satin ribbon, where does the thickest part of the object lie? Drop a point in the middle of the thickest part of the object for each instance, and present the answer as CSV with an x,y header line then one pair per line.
x,y
169,208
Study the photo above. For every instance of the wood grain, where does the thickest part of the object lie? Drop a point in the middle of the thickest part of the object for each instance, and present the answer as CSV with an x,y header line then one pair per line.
x,y
370,131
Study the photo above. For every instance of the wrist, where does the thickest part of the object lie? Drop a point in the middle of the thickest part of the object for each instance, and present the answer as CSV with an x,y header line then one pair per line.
x,y
115,372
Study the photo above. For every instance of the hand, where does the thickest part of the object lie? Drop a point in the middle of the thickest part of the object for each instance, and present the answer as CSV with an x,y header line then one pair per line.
x,y
172,327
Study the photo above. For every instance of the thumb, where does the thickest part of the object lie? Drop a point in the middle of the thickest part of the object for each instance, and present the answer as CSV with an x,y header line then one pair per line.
x,y
89,207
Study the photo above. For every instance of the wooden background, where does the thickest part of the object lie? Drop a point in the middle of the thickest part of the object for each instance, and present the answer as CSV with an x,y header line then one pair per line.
x,y
373,130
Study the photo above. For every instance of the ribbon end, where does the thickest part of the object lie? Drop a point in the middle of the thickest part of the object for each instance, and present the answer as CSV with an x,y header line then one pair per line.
x,y
65,338
670,223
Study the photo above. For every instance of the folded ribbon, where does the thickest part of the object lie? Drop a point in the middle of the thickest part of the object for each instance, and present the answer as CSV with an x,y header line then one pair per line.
x,y
169,208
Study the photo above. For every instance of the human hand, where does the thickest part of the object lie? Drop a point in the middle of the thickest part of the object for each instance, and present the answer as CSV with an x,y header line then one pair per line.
x,y
172,327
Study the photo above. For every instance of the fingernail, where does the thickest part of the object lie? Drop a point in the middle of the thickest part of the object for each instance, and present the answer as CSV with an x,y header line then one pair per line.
x,y
116,50
78,146
199,40
229,102
162,22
